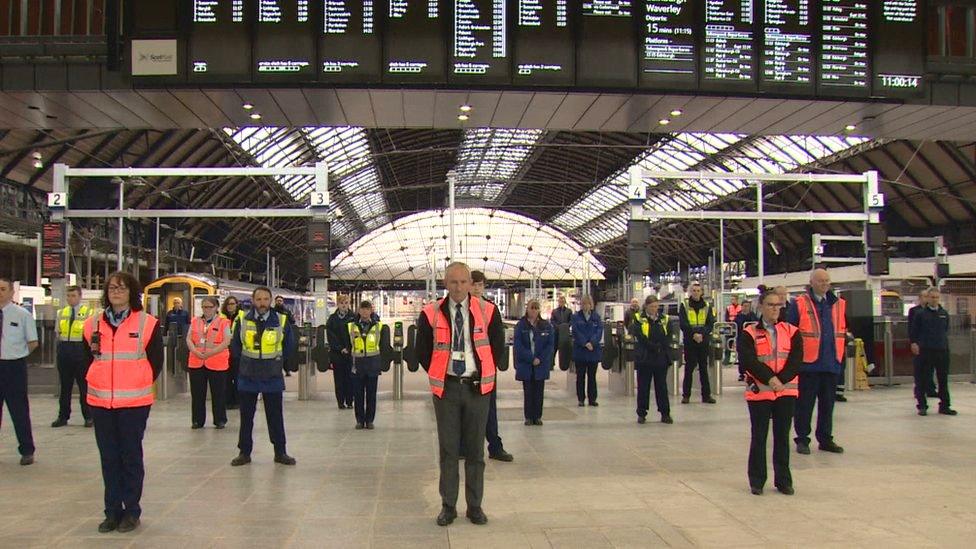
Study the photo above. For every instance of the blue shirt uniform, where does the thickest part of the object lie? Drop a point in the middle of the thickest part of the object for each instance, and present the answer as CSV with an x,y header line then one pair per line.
x,y
19,329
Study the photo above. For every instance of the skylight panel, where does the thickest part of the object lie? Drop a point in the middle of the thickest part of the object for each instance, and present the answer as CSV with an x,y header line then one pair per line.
x,y
488,158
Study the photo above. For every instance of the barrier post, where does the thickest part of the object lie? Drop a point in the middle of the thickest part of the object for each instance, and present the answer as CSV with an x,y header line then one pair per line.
x,y
889,353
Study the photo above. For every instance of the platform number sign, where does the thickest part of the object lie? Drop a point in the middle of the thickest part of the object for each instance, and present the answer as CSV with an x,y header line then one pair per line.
x,y
57,200
319,199
876,200
637,190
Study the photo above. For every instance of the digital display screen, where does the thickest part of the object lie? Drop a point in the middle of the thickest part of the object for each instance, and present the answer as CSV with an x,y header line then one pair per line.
x,y
729,60
844,65
350,47
543,43
479,42
788,47
606,53
414,40
284,43
219,48
669,44
899,60
157,16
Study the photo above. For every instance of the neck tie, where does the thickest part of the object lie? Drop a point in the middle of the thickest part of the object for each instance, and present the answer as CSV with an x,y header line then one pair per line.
x,y
1,323
458,365
72,319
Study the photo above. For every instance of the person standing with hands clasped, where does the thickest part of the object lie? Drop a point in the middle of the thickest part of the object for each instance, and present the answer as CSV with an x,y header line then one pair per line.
x,y
337,332
369,341
929,334
232,311
697,319
72,356
18,338
771,352
587,350
652,351
208,341
534,345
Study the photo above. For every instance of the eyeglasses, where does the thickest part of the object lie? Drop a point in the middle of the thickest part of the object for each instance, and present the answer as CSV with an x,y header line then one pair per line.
x,y
118,288
208,306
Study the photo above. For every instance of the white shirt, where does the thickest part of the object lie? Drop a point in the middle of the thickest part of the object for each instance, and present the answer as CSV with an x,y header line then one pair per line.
x,y
771,329
19,329
470,367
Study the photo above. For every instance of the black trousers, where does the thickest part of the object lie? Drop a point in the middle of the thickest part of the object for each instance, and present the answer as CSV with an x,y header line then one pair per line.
x,y
199,379
658,375
760,412
230,382
462,414
344,387
818,388
13,391
696,356
273,414
930,360
534,391
119,433
586,381
491,428
72,369
364,393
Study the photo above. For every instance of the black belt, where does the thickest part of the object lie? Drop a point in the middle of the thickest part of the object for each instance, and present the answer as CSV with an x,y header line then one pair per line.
x,y
465,380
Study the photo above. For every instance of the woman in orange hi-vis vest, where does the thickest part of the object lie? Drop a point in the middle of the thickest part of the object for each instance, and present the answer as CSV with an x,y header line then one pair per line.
x,y
127,356
208,340
771,353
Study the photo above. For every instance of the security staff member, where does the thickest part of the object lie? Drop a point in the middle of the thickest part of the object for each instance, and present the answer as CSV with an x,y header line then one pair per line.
x,y
72,356
697,319
652,357
559,316
587,350
929,335
534,343
732,309
209,360
771,353
923,300
496,449
821,317
127,355
337,332
264,340
18,338
232,311
458,338
369,341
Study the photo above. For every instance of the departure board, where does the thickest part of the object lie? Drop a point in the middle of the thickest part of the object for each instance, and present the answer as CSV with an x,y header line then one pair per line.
x,y
788,47
844,65
479,42
729,59
414,41
606,53
219,46
899,59
668,51
350,47
543,43
284,41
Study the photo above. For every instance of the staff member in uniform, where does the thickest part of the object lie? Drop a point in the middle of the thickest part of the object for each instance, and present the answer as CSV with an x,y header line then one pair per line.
x,y
337,332
587,350
370,342
745,317
458,338
697,319
232,311
72,356
208,342
264,340
127,355
534,344
652,346
496,450
771,353
923,300
178,315
18,338
631,314
559,316
929,335
733,309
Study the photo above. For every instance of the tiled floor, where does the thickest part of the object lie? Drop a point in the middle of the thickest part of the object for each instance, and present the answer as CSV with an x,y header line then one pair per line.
x,y
591,477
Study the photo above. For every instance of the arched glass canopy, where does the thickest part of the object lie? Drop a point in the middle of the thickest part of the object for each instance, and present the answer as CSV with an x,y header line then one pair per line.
x,y
505,245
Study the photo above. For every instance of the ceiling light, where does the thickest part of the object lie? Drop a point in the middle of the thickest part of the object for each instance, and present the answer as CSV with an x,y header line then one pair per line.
x,y
596,250
247,106
465,108
463,117
38,164
676,112
36,155
664,121
256,116
850,127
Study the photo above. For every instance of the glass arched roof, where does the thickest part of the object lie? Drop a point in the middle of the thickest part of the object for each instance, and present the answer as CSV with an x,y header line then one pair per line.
x,y
505,245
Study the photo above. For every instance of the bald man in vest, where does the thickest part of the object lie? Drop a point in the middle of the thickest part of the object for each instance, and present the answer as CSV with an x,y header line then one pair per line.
x,y
821,317
458,338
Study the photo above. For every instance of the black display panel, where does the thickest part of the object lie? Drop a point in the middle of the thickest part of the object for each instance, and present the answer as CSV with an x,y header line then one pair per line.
x,y
284,41
157,16
899,55
219,48
542,40
350,47
788,46
844,66
479,42
414,41
669,35
606,53
729,57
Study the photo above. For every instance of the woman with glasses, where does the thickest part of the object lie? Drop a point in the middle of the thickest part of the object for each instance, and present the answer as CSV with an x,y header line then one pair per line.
x,y
208,341
534,347
232,311
127,356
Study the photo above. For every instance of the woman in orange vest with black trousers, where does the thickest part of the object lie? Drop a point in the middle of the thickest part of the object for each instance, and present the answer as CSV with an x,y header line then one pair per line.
x,y
127,356
208,341
771,353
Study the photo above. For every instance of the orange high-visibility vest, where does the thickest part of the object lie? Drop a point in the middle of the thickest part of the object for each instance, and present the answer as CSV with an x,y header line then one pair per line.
x,y
774,358
121,376
732,311
481,313
206,338
810,327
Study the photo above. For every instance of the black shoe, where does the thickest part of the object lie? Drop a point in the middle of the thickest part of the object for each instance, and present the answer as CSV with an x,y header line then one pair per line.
x,y
685,400
538,422
342,406
27,460
666,418
447,515
369,426
59,423
802,448
529,422
840,398
786,490
502,456
708,400
756,491
219,425
832,447
947,411
476,516
89,423
128,524
581,404
241,459
284,459
923,411
108,525
196,426
360,426
641,420
594,404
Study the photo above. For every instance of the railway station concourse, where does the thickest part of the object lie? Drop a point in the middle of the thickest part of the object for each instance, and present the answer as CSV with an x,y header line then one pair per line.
x,y
581,152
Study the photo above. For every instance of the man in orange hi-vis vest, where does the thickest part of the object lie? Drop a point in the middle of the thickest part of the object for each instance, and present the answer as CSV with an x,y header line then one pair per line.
x,y
459,340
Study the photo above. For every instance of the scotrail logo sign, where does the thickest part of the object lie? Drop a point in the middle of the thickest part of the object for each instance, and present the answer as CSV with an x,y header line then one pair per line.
x,y
154,58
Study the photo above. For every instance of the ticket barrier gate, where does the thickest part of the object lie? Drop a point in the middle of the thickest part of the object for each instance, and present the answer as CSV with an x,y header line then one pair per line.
x,y
564,344
396,345
306,371
622,374
173,380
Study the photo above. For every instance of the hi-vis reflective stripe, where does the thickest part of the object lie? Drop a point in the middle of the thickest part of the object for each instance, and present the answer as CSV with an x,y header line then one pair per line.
x,y
488,379
138,355
769,357
768,388
251,327
437,382
133,393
